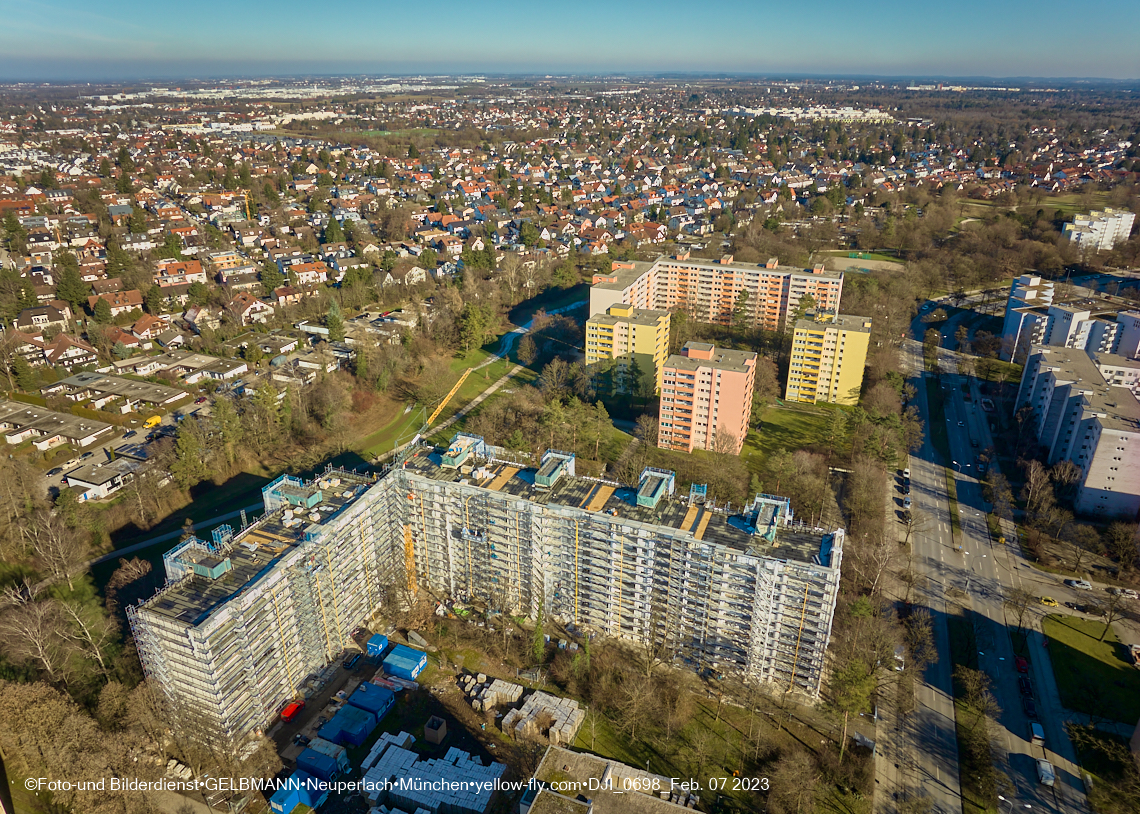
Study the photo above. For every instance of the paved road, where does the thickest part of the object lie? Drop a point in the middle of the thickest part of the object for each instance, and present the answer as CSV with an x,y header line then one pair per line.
x,y
984,572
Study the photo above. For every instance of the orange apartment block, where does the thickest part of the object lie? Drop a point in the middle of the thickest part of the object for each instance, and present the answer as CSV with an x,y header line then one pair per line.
x,y
710,290
706,392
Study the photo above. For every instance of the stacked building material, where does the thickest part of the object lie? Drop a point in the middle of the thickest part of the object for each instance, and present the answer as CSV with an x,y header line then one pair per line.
x,y
486,695
456,784
545,715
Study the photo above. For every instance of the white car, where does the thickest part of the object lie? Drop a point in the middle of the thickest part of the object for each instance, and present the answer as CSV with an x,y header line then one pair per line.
x,y
906,502
1079,583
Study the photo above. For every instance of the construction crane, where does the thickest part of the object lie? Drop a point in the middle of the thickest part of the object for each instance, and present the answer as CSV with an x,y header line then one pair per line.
x,y
447,398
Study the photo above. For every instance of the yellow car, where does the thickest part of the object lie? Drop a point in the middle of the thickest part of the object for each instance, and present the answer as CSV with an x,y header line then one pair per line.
x,y
1049,601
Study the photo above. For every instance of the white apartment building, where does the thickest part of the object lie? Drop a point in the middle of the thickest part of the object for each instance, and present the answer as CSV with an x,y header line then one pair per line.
x,y
1081,414
1100,230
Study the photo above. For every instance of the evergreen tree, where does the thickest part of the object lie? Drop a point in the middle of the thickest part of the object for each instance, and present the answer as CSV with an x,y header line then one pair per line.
x,y
334,233
70,288
413,152
198,294
102,312
189,466
335,323
26,378
153,299
271,277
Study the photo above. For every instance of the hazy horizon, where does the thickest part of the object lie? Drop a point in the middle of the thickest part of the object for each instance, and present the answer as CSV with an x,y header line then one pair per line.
x,y
69,41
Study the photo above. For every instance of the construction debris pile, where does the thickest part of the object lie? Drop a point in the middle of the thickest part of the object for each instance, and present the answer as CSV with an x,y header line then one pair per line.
x,y
485,696
548,715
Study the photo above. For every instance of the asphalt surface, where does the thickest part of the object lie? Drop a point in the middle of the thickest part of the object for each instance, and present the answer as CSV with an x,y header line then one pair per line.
x,y
977,572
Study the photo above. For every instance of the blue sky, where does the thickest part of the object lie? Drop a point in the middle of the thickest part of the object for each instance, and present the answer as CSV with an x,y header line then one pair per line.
x,y
81,40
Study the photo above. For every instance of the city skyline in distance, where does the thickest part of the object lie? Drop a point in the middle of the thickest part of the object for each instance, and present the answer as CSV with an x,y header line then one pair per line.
x,y
65,40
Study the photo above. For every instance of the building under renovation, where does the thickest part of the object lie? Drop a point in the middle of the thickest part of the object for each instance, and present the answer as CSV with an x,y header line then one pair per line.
x,y
245,619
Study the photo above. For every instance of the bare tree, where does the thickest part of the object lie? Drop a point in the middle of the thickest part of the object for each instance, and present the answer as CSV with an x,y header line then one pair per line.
x,y
89,630
1113,607
1018,602
58,547
915,522
872,558
33,632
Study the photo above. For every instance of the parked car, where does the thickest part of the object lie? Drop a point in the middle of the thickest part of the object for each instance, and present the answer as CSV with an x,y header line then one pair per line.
x,y
1046,776
351,661
1029,706
57,471
130,433
1080,584
1025,685
906,502
301,740
200,400
86,456
1127,593
1022,664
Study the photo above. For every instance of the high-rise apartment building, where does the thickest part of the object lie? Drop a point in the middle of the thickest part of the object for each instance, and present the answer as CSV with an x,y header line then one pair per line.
x,y
721,292
1100,230
829,354
247,620
706,398
1083,409
633,337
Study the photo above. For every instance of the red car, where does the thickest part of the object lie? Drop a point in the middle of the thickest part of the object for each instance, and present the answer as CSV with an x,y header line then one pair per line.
x,y
291,710
1022,664
200,400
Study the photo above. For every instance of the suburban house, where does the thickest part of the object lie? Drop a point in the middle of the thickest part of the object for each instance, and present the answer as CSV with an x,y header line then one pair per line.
x,y
248,309
121,302
43,318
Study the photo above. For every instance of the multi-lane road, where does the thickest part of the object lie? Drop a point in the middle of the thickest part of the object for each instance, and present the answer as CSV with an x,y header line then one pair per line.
x,y
970,573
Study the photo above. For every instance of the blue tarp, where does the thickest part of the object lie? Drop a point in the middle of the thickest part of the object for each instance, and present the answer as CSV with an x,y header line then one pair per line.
x,y
404,662
318,765
351,725
377,645
374,699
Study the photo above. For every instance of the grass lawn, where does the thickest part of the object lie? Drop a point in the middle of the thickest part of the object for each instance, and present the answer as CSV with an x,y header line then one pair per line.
x,y
952,498
1093,677
1105,756
479,384
789,426
888,258
977,796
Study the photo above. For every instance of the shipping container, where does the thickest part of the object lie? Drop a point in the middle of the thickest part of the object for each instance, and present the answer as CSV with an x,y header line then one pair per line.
x,y
374,699
404,662
317,764
377,645
350,726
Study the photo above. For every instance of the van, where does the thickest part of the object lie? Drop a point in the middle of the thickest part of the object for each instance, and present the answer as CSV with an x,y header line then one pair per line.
x,y
1036,734
153,421
1045,774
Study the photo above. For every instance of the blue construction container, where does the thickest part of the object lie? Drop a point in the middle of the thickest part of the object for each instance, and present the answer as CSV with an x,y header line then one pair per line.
x,y
318,765
350,726
337,753
377,645
300,788
404,662
374,699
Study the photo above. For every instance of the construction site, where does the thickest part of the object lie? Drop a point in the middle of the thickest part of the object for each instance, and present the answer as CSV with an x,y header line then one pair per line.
x,y
247,618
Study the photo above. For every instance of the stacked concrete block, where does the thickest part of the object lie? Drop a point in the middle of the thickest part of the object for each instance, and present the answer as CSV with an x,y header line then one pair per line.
x,y
563,715
432,785
486,695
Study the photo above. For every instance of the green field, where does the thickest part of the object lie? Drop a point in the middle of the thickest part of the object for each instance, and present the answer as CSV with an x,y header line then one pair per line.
x,y
788,426
1093,677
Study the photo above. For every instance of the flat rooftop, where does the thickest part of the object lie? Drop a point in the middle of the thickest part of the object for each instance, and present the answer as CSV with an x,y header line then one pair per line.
x,y
846,322
48,422
1115,405
565,768
115,386
640,316
722,359
672,511
258,549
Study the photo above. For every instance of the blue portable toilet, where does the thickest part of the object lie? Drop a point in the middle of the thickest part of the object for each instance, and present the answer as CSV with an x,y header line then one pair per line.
x,y
404,662
318,765
377,645
372,698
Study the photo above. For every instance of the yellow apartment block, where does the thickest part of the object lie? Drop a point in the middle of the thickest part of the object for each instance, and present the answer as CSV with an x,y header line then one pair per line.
x,y
626,334
829,354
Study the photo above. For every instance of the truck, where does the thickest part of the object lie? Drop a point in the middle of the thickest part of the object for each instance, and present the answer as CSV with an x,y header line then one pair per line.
x,y
1046,776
